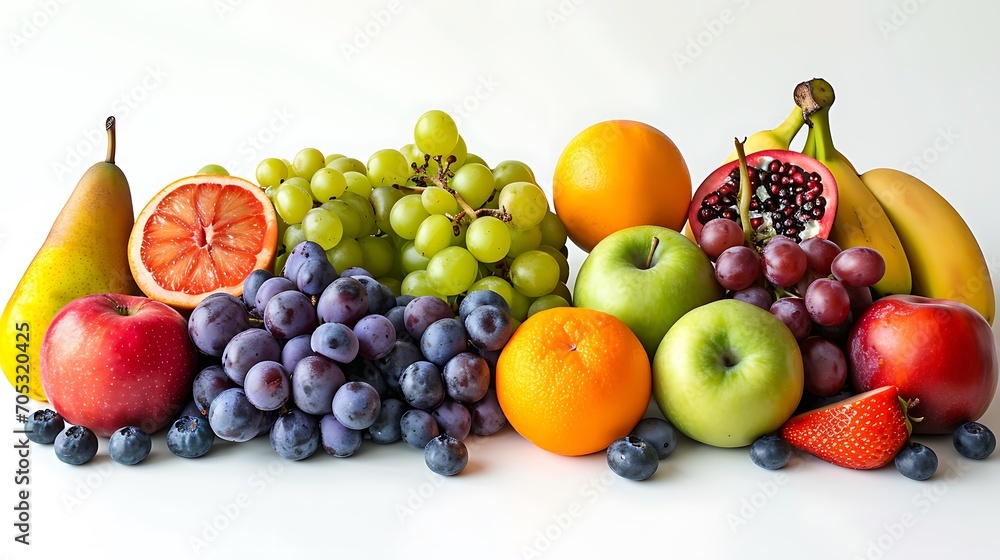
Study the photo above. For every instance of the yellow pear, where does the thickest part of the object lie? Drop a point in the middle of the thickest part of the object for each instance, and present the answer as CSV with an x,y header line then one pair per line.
x,y
86,252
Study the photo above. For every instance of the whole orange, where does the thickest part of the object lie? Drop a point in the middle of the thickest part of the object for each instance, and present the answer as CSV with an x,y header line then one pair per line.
x,y
573,380
619,174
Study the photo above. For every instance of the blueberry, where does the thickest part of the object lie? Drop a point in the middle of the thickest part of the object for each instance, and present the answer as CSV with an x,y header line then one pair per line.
x,y
771,452
974,441
916,461
446,455
190,437
632,458
129,445
76,445
658,433
43,426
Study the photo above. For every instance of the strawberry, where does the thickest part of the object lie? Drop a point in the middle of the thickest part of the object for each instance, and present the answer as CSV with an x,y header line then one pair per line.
x,y
862,432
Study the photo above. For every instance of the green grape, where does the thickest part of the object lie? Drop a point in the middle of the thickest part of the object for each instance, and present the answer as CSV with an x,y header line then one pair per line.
x,y
562,290
473,158
269,192
493,202
495,284
435,233
327,184
279,262
413,155
282,228
488,239
459,240
323,227
452,270
292,202
526,204
271,172
290,171
348,217
213,169
546,302
560,260
307,162
435,133
474,182
382,200
332,158
293,236
534,273
460,152
416,284
511,171
406,216
394,284
346,254
364,210
519,305
346,164
387,168
378,254
358,184
553,231
411,260
298,182
522,241
439,201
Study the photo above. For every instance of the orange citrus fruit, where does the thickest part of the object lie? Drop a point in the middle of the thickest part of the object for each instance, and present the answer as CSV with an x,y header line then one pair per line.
x,y
200,235
573,380
619,174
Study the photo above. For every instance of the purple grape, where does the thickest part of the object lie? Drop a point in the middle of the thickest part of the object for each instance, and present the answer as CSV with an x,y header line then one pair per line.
x,y
315,381
252,283
819,254
422,312
269,289
315,275
267,386
404,300
396,316
466,377
479,298
367,371
418,427
737,268
295,435
858,267
489,327
824,365
861,299
208,384
792,312
719,235
267,420
491,357
386,428
403,354
446,455
233,417
454,419
296,349
289,314
356,405
827,302
338,440
380,298
783,264
247,349
422,385
487,416
355,271
335,341
345,300
755,295
298,256
215,321
376,336
443,340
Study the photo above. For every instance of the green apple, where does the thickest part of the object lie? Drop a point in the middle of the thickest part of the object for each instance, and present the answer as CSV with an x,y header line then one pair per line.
x,y
647,294
728,373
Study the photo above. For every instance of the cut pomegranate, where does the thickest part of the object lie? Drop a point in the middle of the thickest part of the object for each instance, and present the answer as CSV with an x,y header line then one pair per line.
x,y
793,195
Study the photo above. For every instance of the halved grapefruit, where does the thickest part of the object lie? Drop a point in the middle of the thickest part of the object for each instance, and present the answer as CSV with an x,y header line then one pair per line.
x,y
200,235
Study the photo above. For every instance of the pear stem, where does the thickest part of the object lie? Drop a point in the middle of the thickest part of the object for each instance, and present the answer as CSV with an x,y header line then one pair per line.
x,y
745,194
110,126
652,249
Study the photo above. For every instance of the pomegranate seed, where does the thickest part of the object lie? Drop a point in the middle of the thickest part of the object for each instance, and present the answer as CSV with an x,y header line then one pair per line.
x,y
711,200
756,222
797,177
774,166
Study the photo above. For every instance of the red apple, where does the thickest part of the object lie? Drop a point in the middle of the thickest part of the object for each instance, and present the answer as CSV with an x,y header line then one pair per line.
x,y
111,360
941,352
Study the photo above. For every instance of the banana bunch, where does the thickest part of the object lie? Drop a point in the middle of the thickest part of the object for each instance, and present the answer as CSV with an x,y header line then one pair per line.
x,y
928,248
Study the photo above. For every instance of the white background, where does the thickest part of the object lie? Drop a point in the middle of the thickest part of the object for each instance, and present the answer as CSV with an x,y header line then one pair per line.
x,y
192,81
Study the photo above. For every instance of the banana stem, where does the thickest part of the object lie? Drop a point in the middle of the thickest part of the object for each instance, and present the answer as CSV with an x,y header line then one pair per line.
x,y
748,232
812,96
790,126
110,126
